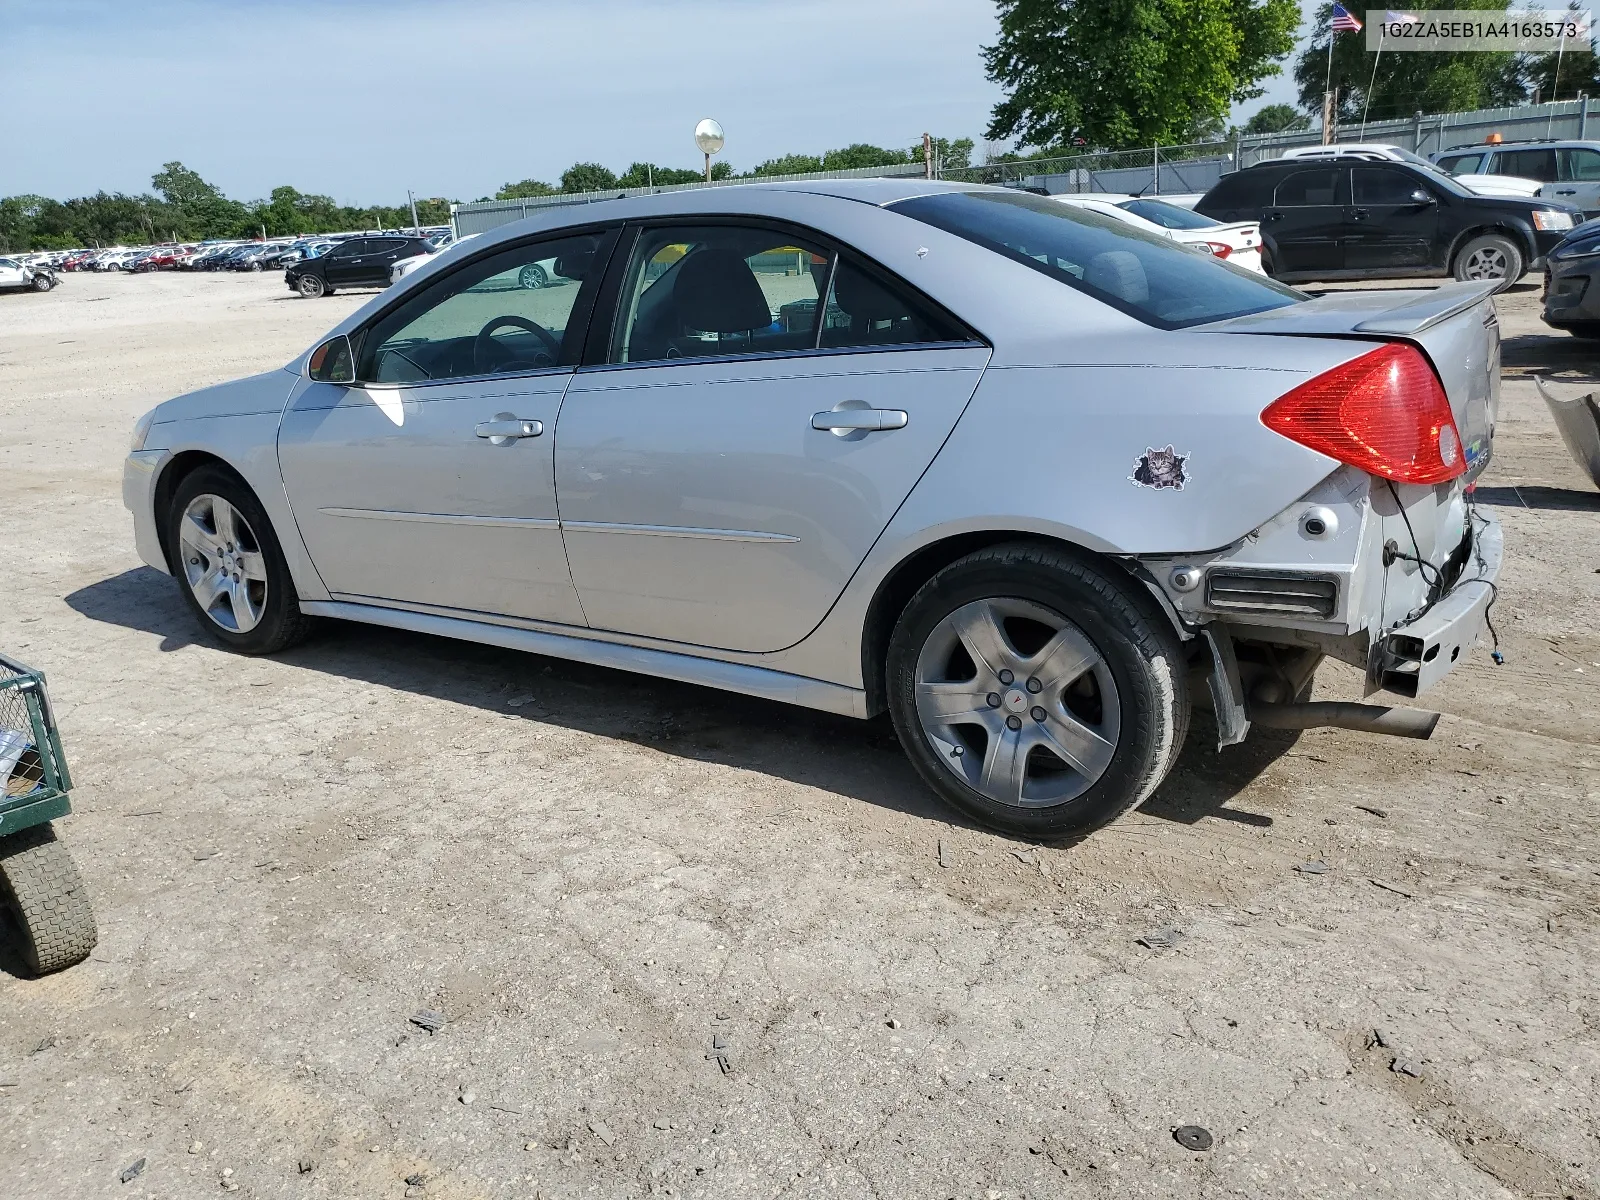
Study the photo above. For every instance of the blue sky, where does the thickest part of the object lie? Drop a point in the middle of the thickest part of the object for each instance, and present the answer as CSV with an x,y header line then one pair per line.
x,y
363,100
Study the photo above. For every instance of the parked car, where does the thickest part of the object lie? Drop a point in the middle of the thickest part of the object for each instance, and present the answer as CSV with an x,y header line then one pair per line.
x,y
1568,171
1019,472
1347,219
1571,295
1238,243
258,256
362,262
15,275
1483,185
405,266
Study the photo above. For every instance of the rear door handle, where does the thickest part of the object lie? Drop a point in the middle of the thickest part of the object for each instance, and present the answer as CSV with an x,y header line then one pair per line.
x,y
1359,214
506,428
1566,191
859,420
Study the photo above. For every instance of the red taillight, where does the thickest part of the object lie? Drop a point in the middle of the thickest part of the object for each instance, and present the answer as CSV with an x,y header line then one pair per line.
x,y
1220,249
1384,412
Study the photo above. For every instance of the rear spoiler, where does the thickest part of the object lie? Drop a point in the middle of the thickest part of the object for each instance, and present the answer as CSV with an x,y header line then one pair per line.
x,y
1388,313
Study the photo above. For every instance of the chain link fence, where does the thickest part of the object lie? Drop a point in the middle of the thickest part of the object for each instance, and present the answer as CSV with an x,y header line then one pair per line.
x,y
1160,170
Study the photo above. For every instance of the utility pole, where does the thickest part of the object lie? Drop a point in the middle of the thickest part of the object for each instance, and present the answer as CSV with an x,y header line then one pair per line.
x,y
415,228
927,156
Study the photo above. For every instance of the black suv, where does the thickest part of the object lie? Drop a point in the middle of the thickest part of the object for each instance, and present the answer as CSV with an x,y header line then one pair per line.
x,y
1367,219
361,262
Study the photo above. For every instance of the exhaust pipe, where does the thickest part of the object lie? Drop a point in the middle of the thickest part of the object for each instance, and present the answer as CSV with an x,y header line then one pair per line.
x,y
1365,718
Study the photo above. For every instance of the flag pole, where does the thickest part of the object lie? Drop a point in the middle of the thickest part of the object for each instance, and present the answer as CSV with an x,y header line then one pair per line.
x,y
1371,83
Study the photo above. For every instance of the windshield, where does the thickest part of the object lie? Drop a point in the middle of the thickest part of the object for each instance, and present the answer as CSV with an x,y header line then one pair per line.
x,y
1142,274
1169,216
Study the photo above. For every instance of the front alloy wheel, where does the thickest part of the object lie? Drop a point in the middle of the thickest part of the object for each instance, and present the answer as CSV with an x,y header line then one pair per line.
x,y
223,564
310,286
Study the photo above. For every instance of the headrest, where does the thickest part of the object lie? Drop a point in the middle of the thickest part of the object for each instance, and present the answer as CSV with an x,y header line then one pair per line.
x,y
716,292
861,296
1120,274
575,266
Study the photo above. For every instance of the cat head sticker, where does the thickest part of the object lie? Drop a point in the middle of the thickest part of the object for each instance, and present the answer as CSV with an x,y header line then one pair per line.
x,y
1163,468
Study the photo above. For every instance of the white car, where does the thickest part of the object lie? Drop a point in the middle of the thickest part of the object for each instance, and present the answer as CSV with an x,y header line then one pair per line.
x,y
15,274
407,265
1238,243
1483,185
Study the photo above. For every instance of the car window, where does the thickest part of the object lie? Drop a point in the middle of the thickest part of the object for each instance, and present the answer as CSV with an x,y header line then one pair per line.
x,y
691,292
1239,190
507,313
346,249
1377,185
1461,164
1146,275
866,309
6,262
1582,165
1530,164
1168,216
1305,189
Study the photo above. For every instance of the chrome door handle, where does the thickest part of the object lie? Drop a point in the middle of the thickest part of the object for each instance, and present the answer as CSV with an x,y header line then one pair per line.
x,y
859,420
506,428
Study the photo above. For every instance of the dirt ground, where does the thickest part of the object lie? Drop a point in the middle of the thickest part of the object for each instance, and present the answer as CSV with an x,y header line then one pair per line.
x,y
604,882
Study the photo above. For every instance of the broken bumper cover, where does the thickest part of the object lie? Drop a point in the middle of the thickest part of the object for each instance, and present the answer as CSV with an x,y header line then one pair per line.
x,y
139,474
1411,658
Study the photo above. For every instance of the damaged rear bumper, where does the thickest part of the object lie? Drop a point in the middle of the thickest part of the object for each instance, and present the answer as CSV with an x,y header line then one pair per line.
x,y
1411,658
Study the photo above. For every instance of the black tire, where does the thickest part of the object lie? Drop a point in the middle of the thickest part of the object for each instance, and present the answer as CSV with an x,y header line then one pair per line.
x,y
311,286
282,624
1136,643
532,277
43,283
1482,252
44,899
255,266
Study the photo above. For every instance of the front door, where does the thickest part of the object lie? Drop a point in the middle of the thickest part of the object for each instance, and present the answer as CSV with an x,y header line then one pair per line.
x,y
723,476
1393,222
1306,220
10,273
431,482
344,264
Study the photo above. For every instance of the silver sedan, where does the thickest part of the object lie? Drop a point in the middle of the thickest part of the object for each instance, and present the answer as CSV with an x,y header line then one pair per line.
x,y
1029,480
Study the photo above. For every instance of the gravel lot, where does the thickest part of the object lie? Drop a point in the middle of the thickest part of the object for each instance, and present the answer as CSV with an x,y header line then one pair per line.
x,y
604,881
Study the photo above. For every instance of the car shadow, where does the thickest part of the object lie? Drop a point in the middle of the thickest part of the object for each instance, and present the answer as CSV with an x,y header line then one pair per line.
x,y
1535,496
1544,353
860,759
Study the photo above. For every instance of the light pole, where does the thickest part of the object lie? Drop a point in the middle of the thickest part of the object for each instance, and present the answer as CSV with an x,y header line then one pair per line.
x,y
708,136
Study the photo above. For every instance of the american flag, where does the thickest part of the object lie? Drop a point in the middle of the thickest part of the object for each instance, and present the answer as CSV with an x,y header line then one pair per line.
x,y
1343,21
1401,18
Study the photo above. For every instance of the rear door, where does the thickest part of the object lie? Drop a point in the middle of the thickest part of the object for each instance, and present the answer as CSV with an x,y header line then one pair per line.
x,y
1306,221
1540,164
1389,226
762,407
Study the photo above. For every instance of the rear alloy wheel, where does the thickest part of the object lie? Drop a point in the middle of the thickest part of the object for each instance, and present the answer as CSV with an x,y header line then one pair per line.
x,y
532,277
310,287
1491,256
1036,693
230,565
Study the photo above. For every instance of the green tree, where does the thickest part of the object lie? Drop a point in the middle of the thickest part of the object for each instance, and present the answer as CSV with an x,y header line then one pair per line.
x,y
861,154
201,208
1123,73
521,191
1405,82
1562,75
789,164
640,175
1276,118
587,177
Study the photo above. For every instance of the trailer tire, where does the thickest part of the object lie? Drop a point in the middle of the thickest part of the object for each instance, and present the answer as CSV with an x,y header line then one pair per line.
x,y
43,896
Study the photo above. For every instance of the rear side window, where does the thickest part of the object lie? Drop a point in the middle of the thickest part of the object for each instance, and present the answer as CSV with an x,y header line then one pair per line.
x,y
1239,190
1530,164
1309,189
1142,274
1461,164
1582,165
1381,185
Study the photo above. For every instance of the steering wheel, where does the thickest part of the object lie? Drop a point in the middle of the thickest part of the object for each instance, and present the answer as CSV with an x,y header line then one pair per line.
x,y
488,356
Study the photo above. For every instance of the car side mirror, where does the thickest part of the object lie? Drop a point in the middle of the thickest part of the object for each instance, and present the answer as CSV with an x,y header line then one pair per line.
x,y
1421,196
332,362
